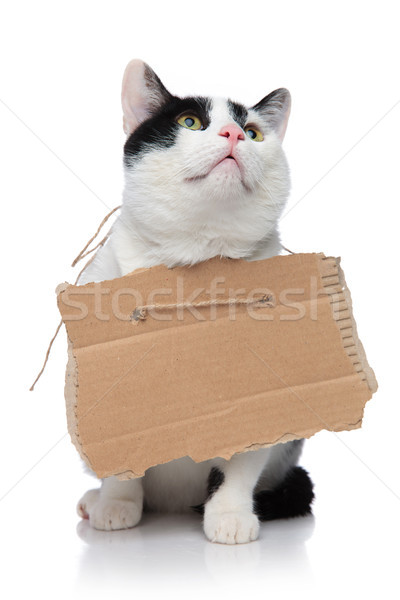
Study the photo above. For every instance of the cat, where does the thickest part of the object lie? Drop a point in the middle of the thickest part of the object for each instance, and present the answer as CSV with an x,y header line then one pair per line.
x,y
204,177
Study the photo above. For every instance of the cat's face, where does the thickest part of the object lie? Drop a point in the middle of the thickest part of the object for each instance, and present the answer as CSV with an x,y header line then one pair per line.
x,y
203,164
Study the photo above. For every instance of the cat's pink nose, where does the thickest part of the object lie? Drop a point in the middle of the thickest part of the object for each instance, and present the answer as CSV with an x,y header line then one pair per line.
x,y
233,133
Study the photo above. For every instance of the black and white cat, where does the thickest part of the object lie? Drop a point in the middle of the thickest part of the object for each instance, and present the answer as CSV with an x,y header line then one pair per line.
x,y
204,177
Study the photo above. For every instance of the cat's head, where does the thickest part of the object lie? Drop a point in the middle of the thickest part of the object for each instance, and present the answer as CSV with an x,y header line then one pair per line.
x,y
203,166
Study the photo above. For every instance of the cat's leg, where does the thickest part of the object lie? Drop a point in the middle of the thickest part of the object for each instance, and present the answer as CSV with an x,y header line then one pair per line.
x,y
228,513
116,505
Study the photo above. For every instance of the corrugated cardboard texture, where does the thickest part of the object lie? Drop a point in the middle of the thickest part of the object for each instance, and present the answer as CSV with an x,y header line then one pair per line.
x,y
206,382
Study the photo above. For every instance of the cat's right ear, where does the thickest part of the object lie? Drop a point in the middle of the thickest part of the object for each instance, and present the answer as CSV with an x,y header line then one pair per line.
x,y
275,108
142,94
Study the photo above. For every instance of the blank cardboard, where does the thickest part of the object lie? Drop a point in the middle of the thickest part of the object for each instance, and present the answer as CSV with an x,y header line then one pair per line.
x,y
212,380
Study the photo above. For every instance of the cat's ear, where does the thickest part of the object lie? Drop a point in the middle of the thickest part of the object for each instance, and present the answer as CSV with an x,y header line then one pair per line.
x,y
142,94
275,108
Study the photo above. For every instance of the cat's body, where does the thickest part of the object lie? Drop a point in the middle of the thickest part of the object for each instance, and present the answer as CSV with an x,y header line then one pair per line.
x,y
203,177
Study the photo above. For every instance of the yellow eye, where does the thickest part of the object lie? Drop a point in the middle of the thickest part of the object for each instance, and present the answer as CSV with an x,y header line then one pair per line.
x,y
254,134
190,122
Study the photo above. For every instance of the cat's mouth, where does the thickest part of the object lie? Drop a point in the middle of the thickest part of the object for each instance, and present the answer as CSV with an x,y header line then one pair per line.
x,y
226,160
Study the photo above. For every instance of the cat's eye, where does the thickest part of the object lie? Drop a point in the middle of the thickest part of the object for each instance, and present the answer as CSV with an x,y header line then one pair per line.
x,y
254,134
190,122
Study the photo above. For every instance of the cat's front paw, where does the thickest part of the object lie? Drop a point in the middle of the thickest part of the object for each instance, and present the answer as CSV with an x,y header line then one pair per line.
x,y
234,527
108,513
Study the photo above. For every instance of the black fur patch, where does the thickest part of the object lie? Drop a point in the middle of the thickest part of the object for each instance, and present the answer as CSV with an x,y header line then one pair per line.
x,y
238,112
161,129
215,479
292,498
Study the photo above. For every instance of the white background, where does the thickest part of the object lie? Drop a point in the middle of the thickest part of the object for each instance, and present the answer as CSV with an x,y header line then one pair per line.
x,y
61,171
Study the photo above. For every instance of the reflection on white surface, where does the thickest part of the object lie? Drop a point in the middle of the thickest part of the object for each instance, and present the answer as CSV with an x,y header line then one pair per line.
x,y
349,549
172,548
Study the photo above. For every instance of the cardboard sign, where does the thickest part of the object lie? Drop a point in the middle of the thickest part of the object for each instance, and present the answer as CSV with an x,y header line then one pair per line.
x,y
204,361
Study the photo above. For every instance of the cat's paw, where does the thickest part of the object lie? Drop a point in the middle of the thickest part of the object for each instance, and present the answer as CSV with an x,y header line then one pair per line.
x,y
108,514
86,503
235,527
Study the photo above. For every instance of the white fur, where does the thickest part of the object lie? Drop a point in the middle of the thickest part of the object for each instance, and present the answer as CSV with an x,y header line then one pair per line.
x,y
178,210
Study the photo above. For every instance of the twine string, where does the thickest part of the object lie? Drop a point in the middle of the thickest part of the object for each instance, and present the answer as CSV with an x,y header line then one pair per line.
x,y
140,312
84,252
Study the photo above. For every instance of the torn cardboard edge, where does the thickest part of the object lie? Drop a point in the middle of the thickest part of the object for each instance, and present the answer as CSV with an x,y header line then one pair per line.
x,y
356,346
109,429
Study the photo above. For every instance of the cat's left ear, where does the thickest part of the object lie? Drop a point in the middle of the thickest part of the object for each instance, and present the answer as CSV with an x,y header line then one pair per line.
x,y
142,94
275,108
